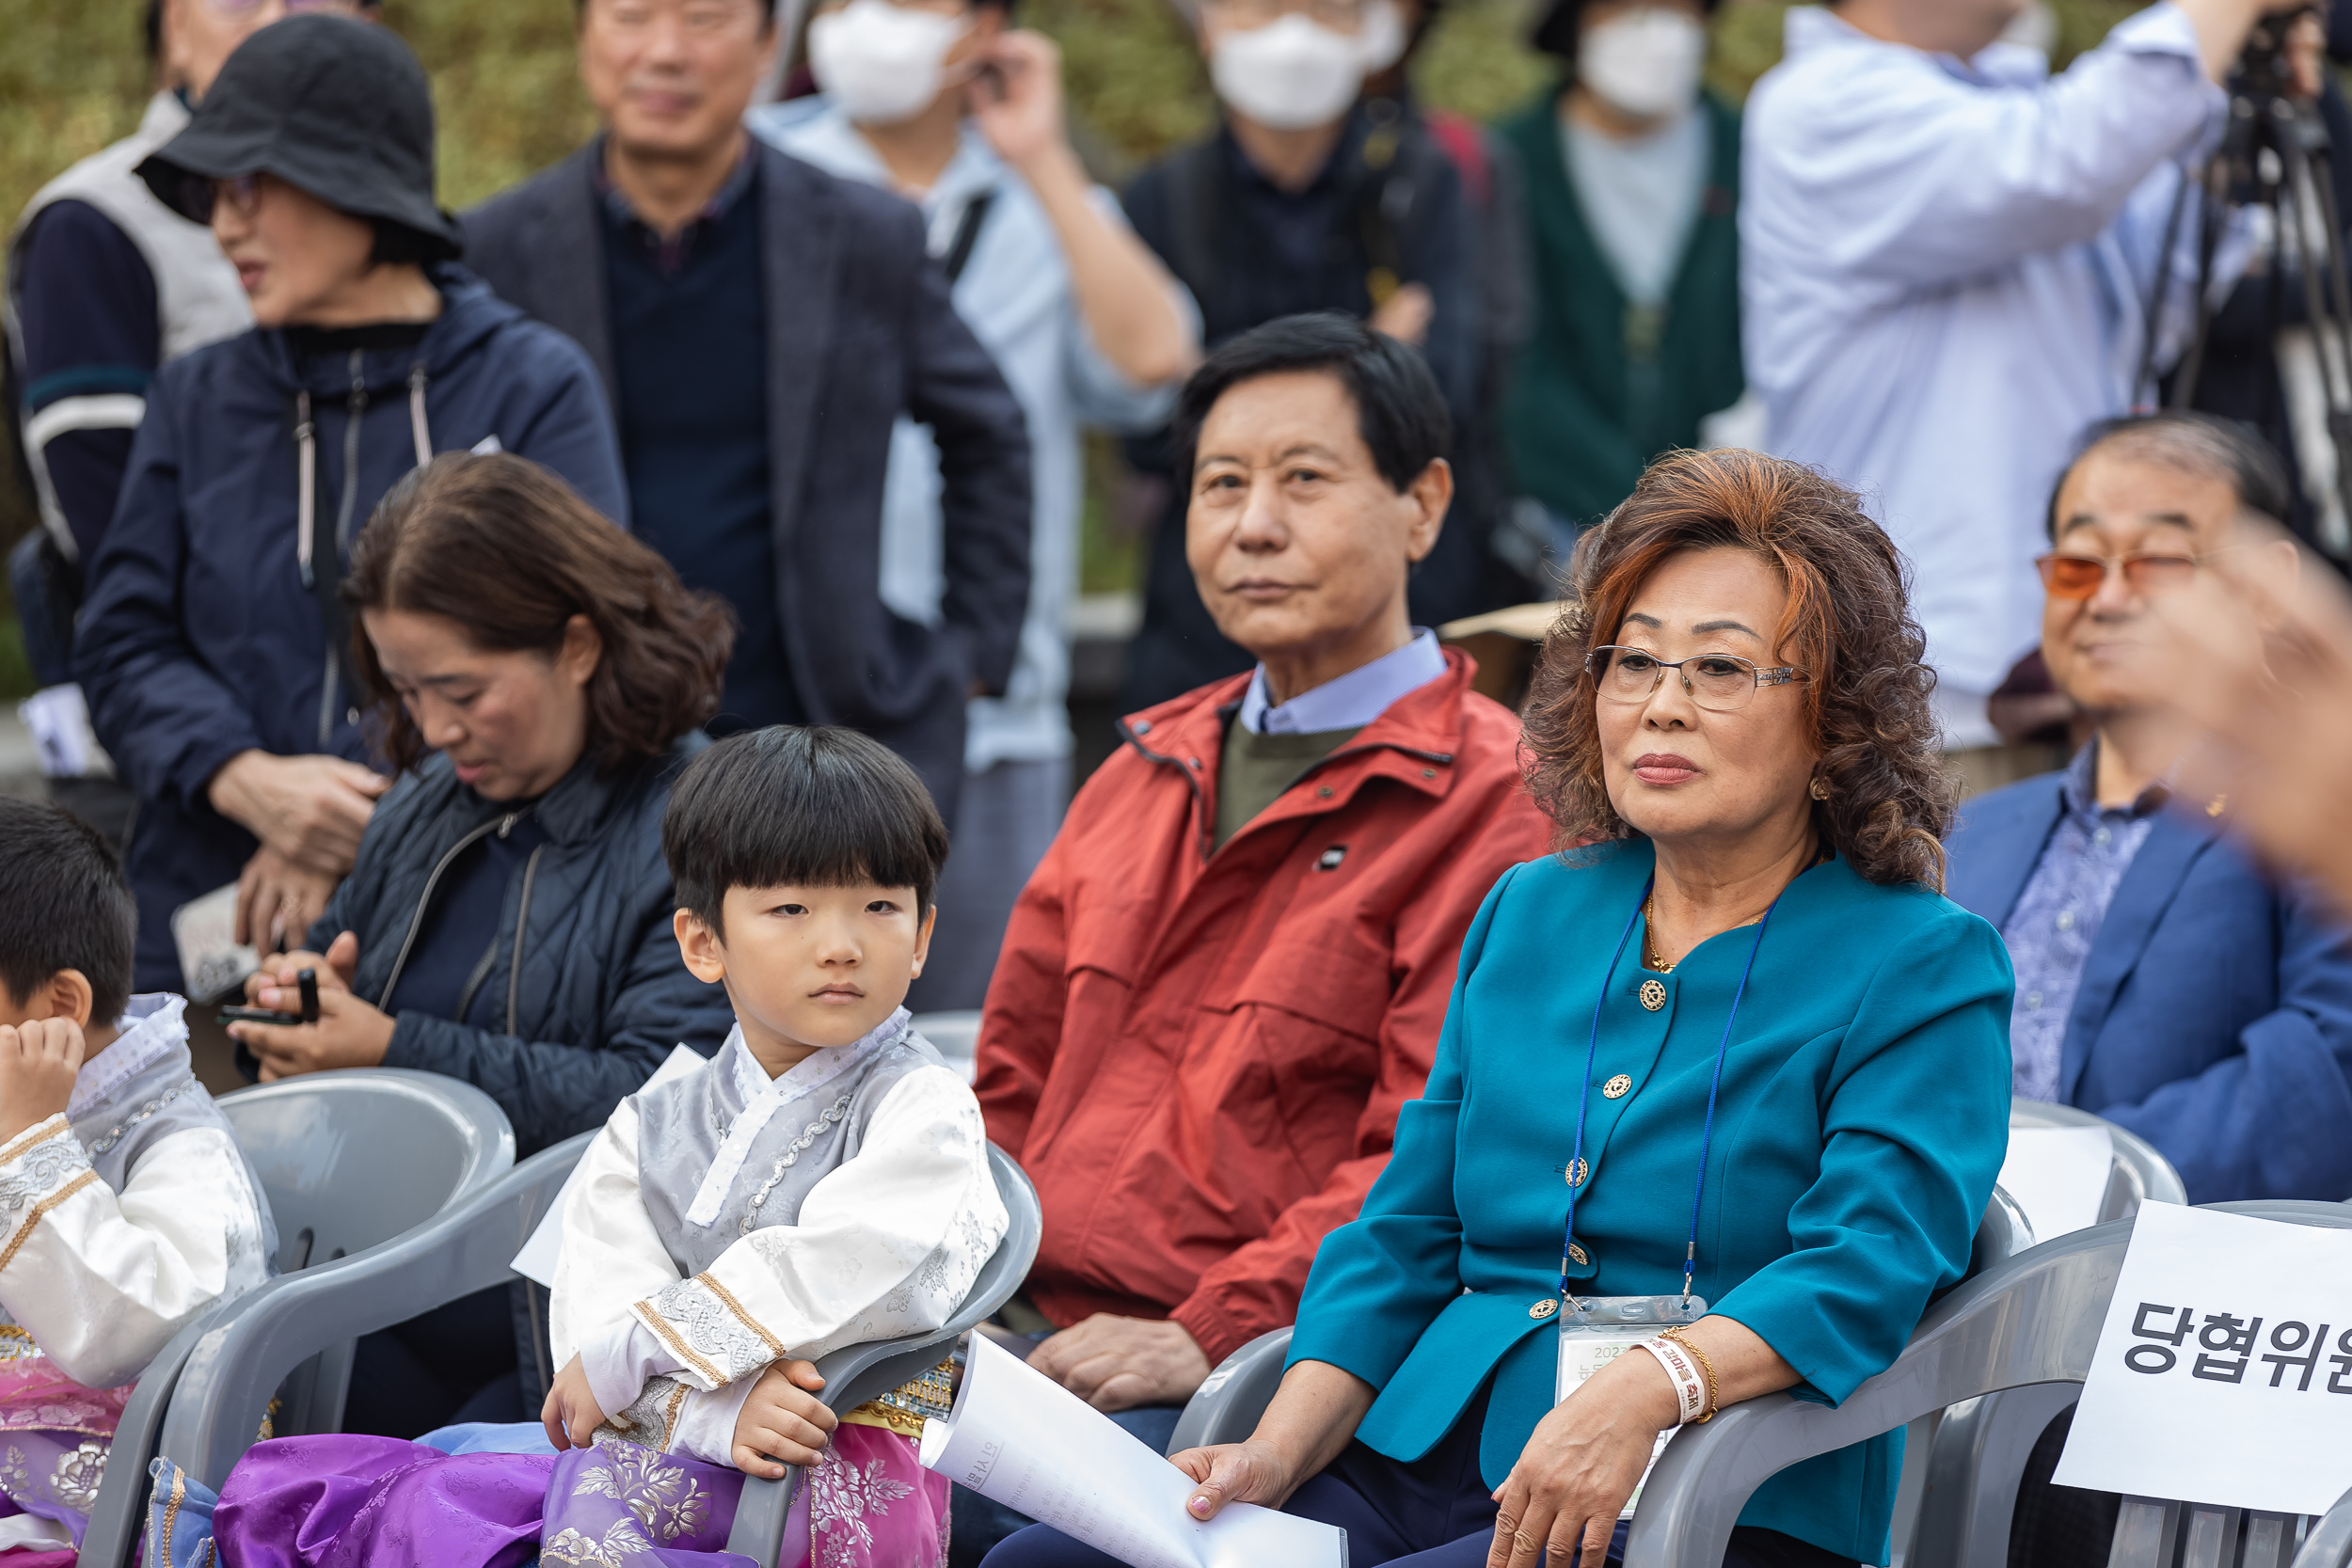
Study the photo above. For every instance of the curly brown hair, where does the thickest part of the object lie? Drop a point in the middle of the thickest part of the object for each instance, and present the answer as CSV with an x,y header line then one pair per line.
x,y
1848,625
511,554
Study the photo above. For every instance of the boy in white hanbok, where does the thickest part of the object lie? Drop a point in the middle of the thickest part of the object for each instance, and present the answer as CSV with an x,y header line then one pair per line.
x,y
822,1181
126,1206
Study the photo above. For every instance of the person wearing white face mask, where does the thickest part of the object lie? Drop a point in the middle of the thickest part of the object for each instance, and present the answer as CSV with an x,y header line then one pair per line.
x,y
1631,174
1305,199
943,102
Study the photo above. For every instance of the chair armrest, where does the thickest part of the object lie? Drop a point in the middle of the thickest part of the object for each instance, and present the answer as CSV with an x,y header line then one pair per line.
x,y
856,1373
2330,1543
236,1366
119,1513
1226,1407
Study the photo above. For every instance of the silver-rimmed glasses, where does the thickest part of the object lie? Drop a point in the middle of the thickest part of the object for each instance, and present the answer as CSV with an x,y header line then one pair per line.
x,y
1719,683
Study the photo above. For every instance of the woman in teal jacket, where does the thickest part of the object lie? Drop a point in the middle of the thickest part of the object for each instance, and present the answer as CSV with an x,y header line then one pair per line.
x,y
1770,1060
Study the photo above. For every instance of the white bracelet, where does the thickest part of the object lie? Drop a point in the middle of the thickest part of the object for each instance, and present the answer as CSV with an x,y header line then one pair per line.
x,y
1689,1387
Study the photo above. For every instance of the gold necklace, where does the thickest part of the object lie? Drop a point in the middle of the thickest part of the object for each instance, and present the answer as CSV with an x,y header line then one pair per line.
x,y
1649,936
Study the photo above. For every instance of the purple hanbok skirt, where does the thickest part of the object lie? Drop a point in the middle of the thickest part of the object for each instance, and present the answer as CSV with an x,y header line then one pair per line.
x,y
54,1438
344,1501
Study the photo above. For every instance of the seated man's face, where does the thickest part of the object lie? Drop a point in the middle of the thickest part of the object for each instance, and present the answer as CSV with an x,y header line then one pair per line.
x,y
1295,538
2115,505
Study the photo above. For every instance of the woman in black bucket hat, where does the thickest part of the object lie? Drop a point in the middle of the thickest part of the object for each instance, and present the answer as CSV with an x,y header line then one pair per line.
x,y
212,646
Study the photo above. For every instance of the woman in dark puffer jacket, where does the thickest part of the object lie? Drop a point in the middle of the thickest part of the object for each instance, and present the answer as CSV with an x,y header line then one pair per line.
x,y
538,676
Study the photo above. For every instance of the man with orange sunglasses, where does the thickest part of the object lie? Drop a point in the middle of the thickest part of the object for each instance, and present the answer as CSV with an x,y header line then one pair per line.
x,y
2163,981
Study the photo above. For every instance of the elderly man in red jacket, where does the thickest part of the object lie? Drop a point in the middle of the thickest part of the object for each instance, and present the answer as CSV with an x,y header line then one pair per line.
x,y
1232,967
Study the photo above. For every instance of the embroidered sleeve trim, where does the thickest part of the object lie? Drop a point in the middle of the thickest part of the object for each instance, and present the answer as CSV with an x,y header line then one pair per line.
x,y
32,1136
651,1317
709,1331
775,1345
41,1211
658,1406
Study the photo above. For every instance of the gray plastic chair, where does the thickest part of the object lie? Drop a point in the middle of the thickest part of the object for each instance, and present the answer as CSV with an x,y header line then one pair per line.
x,y
1961,1465
956,1035
349,1161
1226,1407
2329,1542
2031,1323
240,1363
857,1373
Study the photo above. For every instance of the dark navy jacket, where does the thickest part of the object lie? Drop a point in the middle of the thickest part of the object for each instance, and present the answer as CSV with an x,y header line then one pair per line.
x,y
197,639
860,330
602,996
2215,1014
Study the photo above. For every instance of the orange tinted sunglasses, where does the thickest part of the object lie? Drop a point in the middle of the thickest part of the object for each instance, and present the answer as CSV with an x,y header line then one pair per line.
x,y
2147,572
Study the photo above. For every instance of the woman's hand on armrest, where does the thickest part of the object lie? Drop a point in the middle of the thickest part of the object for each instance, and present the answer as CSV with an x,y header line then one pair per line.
x,y
783,1422
1312,1416
1586,1458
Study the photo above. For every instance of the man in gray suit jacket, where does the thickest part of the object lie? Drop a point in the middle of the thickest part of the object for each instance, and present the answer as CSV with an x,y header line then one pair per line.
x,y
761,328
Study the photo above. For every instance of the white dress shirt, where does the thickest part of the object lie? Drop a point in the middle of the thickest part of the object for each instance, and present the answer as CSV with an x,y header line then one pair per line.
x,y
1944,269
1349,701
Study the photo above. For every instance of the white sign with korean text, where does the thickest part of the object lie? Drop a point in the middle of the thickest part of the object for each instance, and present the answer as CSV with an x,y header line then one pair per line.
x,y
2223,1372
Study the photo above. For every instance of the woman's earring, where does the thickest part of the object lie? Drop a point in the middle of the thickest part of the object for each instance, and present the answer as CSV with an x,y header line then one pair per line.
x,y
1820,788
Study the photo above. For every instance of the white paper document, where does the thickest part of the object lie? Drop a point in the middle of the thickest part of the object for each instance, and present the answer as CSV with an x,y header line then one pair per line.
x,y
538,1258
1018,1438
2059,1176
2223,1372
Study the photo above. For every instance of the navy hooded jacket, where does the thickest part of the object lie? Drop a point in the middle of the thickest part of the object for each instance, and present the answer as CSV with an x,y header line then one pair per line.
x,y
600,997
197,639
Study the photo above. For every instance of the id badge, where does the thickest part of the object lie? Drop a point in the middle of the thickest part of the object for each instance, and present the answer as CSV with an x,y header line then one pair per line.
x,y
1595,1330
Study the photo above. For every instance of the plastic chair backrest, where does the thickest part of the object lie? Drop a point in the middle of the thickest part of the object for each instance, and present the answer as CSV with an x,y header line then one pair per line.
x,y
857,1373
1961,1466
349,1161
237,1366
2329,1542
2033,1320
955,1035
2140,1174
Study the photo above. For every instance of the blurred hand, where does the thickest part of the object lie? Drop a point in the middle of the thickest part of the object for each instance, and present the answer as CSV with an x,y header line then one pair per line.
x,y
277,898
1405,314
570,1413
275,984
782,1421
349,1033
2257,655
39,1061
1256,1471
1118,1363
1017,104
2306,54
310,809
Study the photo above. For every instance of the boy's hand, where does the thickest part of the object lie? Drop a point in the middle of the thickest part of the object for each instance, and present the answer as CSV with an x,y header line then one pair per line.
x,y
783,1422
38,1064
570,1415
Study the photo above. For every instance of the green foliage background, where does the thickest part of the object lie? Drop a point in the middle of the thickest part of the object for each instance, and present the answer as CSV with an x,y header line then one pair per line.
x,y
74,77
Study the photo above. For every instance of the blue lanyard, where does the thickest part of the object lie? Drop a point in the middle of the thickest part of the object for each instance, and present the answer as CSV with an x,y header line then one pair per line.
x,y
1707,1134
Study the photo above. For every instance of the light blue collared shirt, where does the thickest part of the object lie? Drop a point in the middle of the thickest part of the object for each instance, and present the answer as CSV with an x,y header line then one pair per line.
x,y
1351,701
1016,296
1944,265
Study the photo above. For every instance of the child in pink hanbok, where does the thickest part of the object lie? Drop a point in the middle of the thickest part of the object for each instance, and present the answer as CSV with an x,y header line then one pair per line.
x,y
822,1181
126,1206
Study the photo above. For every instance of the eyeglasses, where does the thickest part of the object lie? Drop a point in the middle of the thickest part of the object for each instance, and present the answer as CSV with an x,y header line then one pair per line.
x,y
1719,683
1341,16
199,194
2147,572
